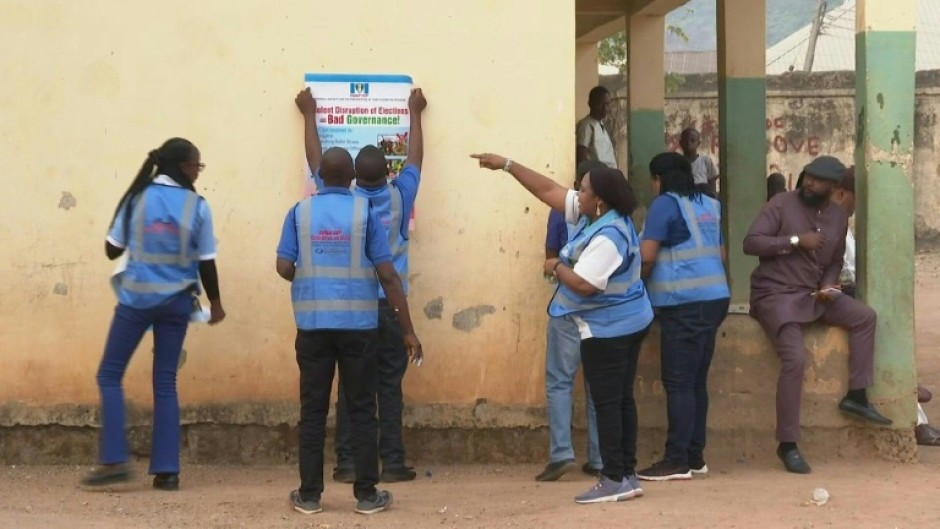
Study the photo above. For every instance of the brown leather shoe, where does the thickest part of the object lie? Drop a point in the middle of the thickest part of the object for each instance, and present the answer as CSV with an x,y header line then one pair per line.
x,y
923,394
927,435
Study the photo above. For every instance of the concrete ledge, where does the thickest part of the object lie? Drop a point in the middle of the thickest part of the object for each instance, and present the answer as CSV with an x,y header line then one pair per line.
x,y
742,386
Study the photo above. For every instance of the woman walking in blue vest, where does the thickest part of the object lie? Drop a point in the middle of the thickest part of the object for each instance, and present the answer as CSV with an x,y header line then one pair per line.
x,y
683,258
598,273
166,229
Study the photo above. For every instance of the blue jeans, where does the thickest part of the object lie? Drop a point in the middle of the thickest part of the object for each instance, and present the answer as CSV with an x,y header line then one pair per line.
x,y
169,322
688,334
562,358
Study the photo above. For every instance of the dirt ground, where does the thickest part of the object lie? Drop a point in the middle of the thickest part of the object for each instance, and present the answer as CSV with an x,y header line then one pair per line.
x,y
749,494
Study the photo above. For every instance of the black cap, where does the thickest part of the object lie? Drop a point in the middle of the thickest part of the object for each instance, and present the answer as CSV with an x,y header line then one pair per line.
x,y
826,168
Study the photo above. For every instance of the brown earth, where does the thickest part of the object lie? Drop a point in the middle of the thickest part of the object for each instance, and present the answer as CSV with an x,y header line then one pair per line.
x,y
742,494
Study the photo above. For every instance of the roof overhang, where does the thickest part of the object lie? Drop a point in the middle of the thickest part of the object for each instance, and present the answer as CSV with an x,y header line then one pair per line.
x,y
596,20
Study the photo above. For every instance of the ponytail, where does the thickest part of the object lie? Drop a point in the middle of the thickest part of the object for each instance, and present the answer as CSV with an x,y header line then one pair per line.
x,y
165,160
675,175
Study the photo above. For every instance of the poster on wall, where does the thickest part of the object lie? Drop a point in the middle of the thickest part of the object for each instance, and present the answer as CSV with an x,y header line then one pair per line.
x,y
358,110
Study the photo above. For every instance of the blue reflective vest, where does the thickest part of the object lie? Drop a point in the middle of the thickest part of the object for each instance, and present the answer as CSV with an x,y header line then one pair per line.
x,y
334,284
691,271
162,260
387,205
623,307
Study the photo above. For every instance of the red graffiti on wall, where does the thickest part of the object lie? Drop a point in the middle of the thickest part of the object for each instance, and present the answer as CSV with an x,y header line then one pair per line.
x,y
785,143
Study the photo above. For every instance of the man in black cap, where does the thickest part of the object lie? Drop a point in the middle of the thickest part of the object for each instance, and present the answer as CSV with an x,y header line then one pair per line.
x,y
800,239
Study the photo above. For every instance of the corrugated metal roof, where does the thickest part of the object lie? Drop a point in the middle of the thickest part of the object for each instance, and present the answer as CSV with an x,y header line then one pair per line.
x,y
691,62
835,47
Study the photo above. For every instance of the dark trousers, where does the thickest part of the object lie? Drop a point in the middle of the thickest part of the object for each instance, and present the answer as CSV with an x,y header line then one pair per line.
x,y
169,322
610,369
687,347
392,364
318,353
850,314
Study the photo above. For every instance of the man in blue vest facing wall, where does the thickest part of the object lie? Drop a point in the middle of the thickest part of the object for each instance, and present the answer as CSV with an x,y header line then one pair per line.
x,y
332,250
393,203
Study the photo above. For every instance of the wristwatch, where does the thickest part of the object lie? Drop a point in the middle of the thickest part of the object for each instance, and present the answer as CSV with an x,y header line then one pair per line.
x,y
794,240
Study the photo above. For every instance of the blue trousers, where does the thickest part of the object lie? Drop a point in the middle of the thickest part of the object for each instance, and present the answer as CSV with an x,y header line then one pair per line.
x,y
687,346
169,322
562,359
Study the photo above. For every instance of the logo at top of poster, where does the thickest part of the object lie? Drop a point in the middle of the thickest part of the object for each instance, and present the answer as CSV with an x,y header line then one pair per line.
x,y
359,89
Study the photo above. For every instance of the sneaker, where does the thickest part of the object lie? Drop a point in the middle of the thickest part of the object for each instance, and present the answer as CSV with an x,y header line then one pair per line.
x,y
304,507
635,483
605,490
698,467
391,475
344,475
665,471
555,470
381,501
105,475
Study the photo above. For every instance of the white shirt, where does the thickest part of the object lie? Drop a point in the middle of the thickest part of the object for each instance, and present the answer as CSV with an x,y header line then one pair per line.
x,y
704,170
592,135
847,277
597,262
600,259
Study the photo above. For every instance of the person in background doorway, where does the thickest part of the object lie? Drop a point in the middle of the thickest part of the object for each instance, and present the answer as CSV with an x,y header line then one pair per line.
x,y
600,288
593,141
776,183
844,196
335,253
800,239
562,359
683,263
704,170
166,229
393,203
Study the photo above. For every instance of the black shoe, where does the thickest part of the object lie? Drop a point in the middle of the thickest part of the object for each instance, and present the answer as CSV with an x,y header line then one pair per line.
x,y
344,475
665,471
382,501
166,481
869,413
794,461
553,471
304,507
590,471
391,475
106,475
698,467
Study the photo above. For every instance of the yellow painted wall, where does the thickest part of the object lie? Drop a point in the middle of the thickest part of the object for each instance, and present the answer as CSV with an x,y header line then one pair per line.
x,y
90,87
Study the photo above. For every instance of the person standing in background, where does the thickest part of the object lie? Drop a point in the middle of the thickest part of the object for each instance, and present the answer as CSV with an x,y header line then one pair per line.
x,y
593,141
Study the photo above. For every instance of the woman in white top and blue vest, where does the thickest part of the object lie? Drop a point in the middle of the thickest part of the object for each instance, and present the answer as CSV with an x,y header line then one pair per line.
x,y
598,273
166,229
683,263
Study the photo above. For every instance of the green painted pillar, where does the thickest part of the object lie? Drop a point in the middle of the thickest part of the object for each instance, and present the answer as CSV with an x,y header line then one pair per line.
x,y
646,123
742,109
884,159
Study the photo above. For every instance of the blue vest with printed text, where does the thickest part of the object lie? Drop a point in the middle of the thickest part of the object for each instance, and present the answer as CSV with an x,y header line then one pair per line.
x,y
162,258
691,271
334,284
387,205
623,307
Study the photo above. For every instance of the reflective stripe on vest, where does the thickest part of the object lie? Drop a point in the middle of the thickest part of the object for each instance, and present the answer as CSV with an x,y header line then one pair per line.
x,y
308,269
395,220
670,282
334,296
619,283
182,258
